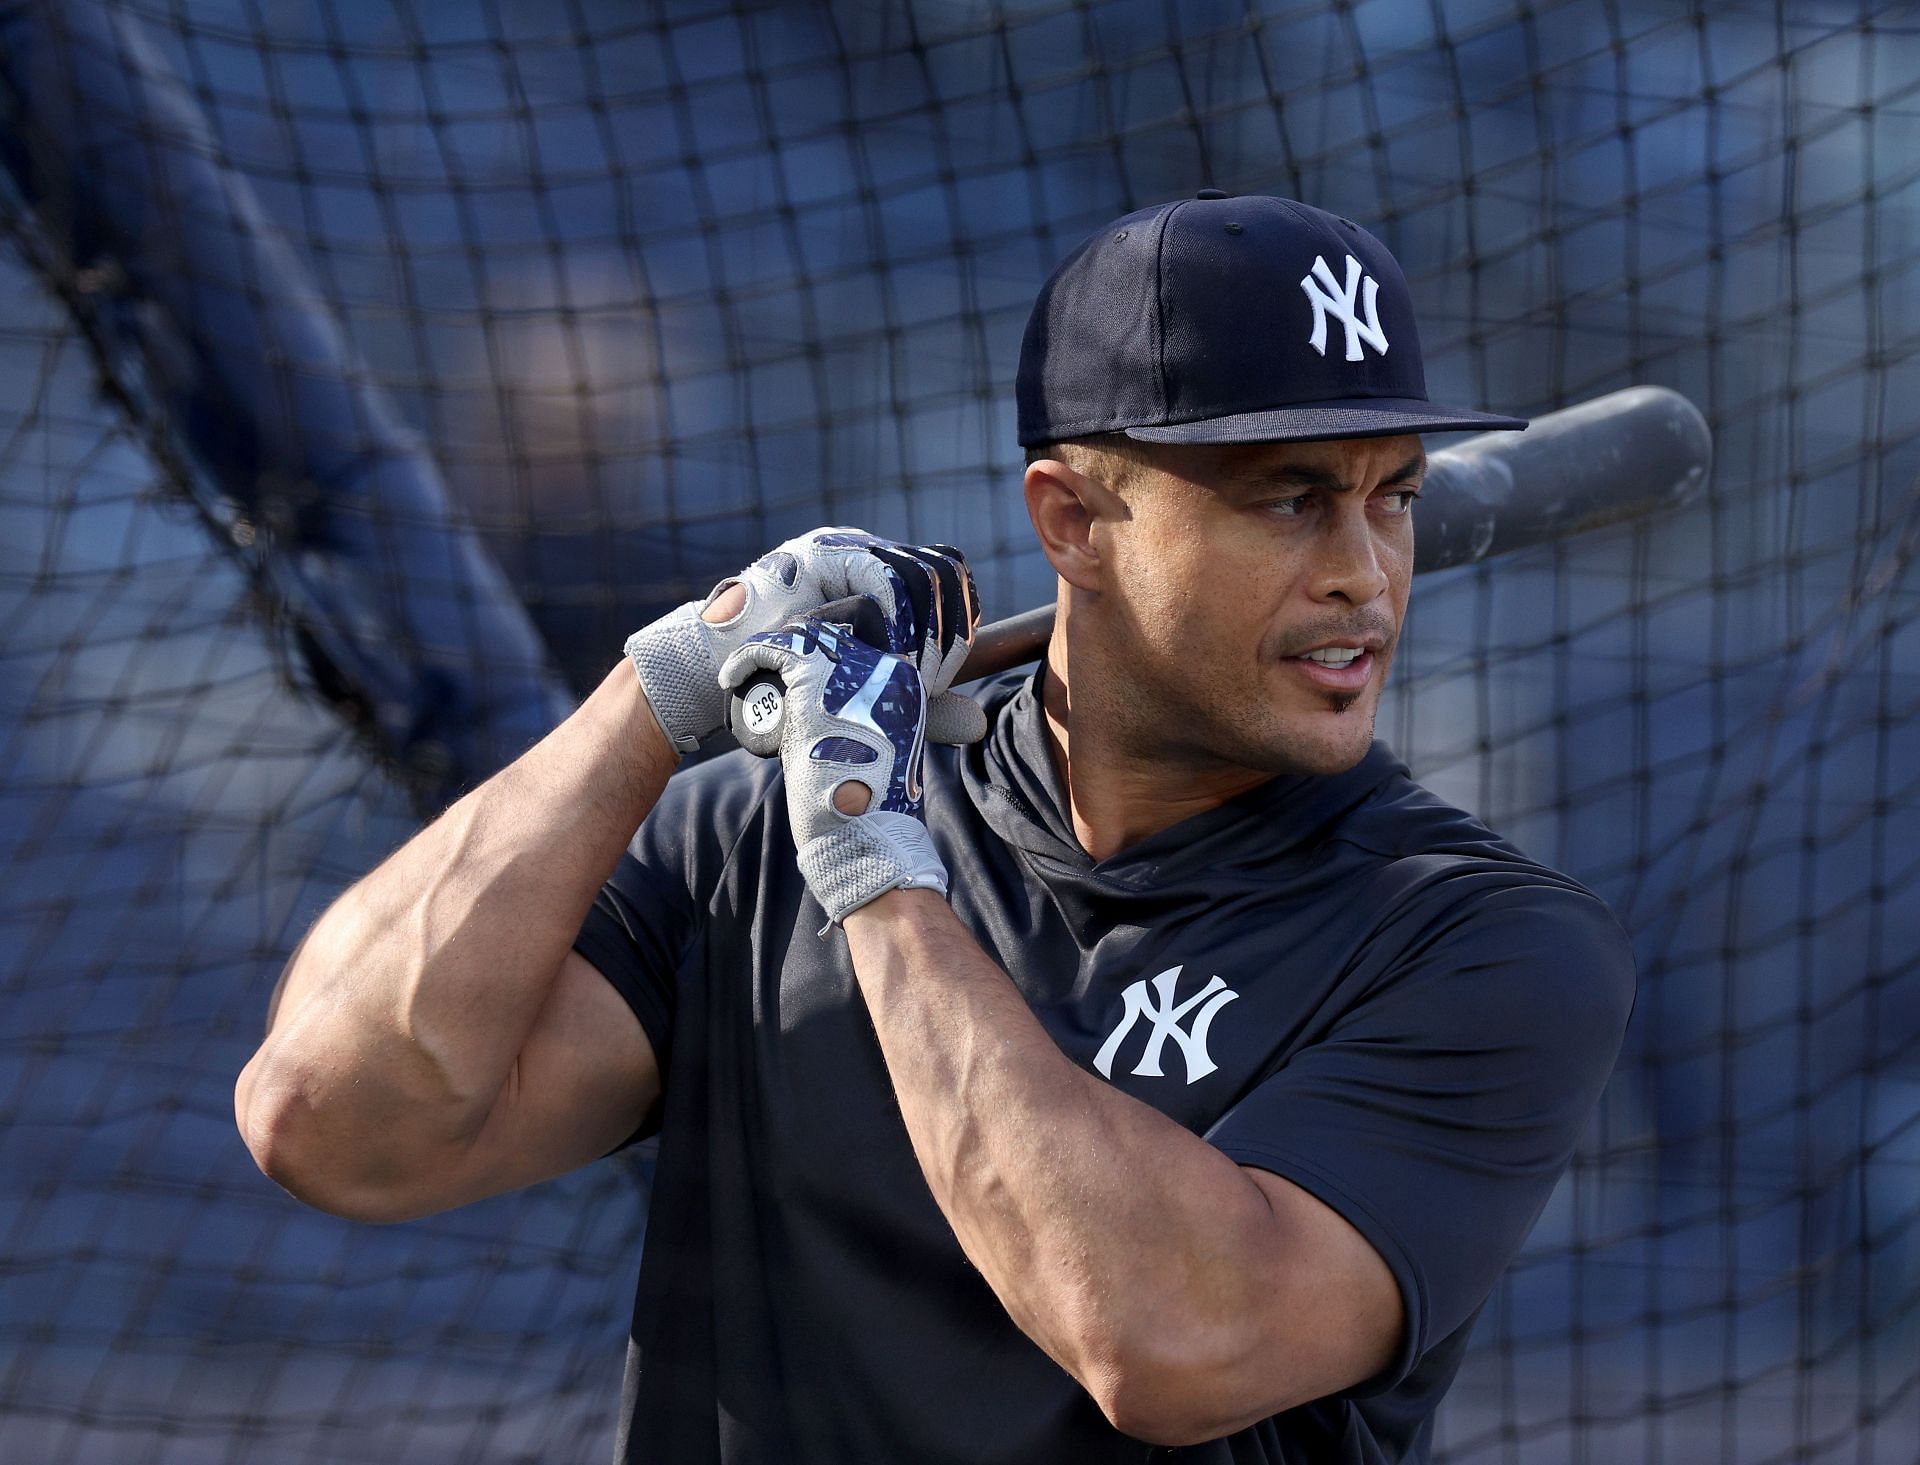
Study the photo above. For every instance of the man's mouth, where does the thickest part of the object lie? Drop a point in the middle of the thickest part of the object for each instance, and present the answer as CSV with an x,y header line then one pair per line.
x,y
1336,668
1335,655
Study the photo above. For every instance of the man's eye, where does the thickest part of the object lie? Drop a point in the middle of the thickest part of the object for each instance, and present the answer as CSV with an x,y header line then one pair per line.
x,y
1400,500
1291,508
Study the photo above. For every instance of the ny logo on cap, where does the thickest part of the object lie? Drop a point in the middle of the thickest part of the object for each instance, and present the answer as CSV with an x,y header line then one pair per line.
x,y
1330,296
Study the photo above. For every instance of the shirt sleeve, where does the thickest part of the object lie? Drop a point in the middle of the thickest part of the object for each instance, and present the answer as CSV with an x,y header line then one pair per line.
x,y
1439,1112
649,912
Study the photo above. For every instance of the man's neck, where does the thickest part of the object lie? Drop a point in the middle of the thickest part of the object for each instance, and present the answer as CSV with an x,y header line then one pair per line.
x,y
1116,795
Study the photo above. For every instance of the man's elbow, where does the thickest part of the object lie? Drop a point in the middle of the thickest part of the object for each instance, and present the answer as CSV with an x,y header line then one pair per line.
x,y
1171,1391
1155,1411
278,1125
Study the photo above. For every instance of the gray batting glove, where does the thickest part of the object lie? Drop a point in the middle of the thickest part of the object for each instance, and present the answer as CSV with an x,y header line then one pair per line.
x,y
853,715
925,594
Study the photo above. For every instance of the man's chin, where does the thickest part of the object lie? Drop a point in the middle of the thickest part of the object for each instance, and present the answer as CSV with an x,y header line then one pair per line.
x,y
1324,750
1335,761
1327,738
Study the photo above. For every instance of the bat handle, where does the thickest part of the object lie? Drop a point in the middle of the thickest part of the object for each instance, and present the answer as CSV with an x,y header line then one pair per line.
x,y
757,707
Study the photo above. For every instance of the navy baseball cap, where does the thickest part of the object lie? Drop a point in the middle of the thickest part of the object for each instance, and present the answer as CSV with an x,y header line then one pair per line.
x,y
1219,319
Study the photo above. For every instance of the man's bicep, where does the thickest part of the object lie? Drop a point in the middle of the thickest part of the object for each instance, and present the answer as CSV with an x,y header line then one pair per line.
x,y
585,1081
1343,1317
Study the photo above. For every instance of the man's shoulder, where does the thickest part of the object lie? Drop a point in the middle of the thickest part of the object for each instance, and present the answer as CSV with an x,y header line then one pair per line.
x,y
1431,861
1402,820
1440,878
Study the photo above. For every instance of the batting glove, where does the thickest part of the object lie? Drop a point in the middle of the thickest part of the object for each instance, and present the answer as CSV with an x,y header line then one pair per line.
x,y
925,595
853,715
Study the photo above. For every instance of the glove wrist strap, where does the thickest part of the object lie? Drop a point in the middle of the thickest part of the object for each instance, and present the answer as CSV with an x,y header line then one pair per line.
x,y
673,658
864,858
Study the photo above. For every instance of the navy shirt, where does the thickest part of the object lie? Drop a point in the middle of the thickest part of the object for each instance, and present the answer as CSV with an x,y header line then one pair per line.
x,y
1341,980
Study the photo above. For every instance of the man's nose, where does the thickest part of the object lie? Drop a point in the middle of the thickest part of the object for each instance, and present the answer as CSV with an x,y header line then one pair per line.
x,y
1348,563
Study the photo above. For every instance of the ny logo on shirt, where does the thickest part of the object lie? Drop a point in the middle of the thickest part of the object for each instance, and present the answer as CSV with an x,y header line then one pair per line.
x,y
1330,297
1157,1006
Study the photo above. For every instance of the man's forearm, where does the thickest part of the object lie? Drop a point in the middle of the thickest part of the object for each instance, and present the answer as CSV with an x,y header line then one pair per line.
x,y
1122,1244
399,1019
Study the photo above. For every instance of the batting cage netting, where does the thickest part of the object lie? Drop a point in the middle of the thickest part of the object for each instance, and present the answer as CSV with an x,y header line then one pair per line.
x,y
368,370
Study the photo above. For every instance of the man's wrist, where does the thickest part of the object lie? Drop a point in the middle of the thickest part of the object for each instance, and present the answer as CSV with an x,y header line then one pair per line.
x,y
617,741
893,936
650,733
896,908
633,730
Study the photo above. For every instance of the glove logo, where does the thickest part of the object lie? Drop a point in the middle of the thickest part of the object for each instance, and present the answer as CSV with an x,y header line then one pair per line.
x,y
1139,1002
1329,296
914,790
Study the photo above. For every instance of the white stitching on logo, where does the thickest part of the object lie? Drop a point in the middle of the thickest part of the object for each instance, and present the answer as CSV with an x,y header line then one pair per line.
x,y
1328,294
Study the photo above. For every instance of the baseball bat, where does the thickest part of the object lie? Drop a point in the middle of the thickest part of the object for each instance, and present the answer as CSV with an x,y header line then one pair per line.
x,y
1613,459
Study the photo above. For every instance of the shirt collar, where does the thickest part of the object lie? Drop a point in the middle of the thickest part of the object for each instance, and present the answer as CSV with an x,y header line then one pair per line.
x,y
1013,782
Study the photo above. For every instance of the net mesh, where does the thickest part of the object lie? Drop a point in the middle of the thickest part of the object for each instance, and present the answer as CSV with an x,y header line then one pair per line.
x,y
368,371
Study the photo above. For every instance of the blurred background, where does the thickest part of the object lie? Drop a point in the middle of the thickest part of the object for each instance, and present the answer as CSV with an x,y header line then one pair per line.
x,y
368,370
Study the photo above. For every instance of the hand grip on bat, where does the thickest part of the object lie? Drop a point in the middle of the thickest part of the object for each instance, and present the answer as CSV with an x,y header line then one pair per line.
x,y
757,709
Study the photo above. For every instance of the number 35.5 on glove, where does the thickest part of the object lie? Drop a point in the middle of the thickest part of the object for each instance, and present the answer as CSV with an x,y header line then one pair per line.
x,y
852,714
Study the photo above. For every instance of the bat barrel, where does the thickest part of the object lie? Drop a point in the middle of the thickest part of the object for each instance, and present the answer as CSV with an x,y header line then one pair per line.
x,y
1617,457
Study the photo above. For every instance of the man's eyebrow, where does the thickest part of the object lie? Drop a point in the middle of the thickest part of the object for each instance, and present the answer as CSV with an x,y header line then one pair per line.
x,y
1294,475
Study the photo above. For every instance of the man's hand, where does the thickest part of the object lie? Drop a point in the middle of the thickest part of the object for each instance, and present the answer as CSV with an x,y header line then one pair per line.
x,y
925,595
850,745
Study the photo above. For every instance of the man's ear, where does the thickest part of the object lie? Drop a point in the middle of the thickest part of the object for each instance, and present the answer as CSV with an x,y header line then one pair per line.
x,y
1065,505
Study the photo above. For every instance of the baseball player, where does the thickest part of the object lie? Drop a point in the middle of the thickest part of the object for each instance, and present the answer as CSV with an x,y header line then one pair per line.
x,y
1133,1063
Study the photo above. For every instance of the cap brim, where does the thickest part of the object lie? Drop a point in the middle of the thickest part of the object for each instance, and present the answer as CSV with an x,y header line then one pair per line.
x,y
1359,417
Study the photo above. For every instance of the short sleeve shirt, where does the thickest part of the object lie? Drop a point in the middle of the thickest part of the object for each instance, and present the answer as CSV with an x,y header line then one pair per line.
x,y
1341,980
